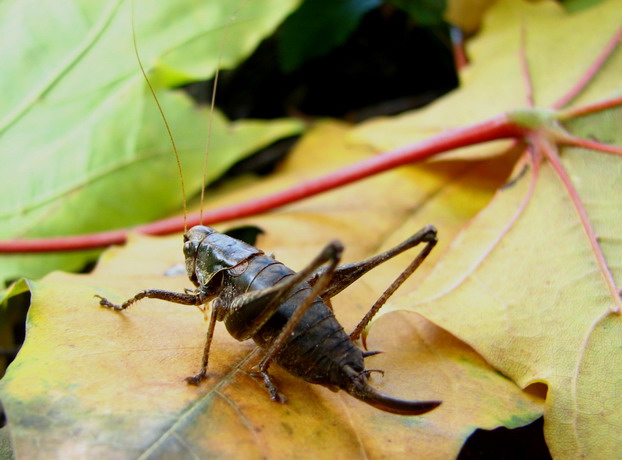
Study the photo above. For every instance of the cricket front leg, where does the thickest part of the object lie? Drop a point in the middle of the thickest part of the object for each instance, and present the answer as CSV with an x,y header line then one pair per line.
x,y
198,299
195,299
202,374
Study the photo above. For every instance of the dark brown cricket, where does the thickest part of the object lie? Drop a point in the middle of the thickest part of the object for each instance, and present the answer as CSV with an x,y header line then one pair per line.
x,y
288,313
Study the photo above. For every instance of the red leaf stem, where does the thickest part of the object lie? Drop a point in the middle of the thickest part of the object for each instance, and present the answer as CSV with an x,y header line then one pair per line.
x,y
530,159
590,108
550,150
524,65
495,128
569,139
591,71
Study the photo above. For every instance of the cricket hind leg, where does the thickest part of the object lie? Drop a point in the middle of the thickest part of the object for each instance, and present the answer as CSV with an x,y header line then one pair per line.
x,y
268,300
345,275
275,395
332,255
426,235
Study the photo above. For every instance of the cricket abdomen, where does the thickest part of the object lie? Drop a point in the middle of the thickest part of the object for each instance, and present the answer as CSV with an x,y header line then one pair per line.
x,y
318,348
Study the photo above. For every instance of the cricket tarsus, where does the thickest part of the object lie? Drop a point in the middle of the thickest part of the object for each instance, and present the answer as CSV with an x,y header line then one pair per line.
x,y
287,313
196,379
275,395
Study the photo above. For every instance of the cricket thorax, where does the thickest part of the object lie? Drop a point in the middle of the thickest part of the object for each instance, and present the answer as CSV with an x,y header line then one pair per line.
x,y
208,253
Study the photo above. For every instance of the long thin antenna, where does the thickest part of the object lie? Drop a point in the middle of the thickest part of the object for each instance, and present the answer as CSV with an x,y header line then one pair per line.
x,y
168,128
210,122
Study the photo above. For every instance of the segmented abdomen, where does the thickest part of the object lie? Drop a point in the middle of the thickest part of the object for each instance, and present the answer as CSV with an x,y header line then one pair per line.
x,y
318,348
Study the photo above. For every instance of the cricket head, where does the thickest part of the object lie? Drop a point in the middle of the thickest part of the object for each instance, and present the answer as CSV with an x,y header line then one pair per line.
x,y
192,243
209,253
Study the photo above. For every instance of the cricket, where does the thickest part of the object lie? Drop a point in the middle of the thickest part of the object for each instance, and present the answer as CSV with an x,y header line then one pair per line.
x,y
288,314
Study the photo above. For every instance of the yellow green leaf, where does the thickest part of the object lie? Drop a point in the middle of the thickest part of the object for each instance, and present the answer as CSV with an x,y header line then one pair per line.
x,y
525,283
518,276
82,145
525,274
91,381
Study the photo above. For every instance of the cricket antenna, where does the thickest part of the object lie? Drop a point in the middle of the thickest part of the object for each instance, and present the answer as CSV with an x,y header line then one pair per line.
x,y
168,128
210,122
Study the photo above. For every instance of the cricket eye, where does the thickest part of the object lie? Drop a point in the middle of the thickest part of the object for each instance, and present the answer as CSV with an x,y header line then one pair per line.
x,y
190,248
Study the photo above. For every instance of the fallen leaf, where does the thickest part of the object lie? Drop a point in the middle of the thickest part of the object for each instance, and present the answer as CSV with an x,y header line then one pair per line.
x,y
525,283
119,377
529,279
517,276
